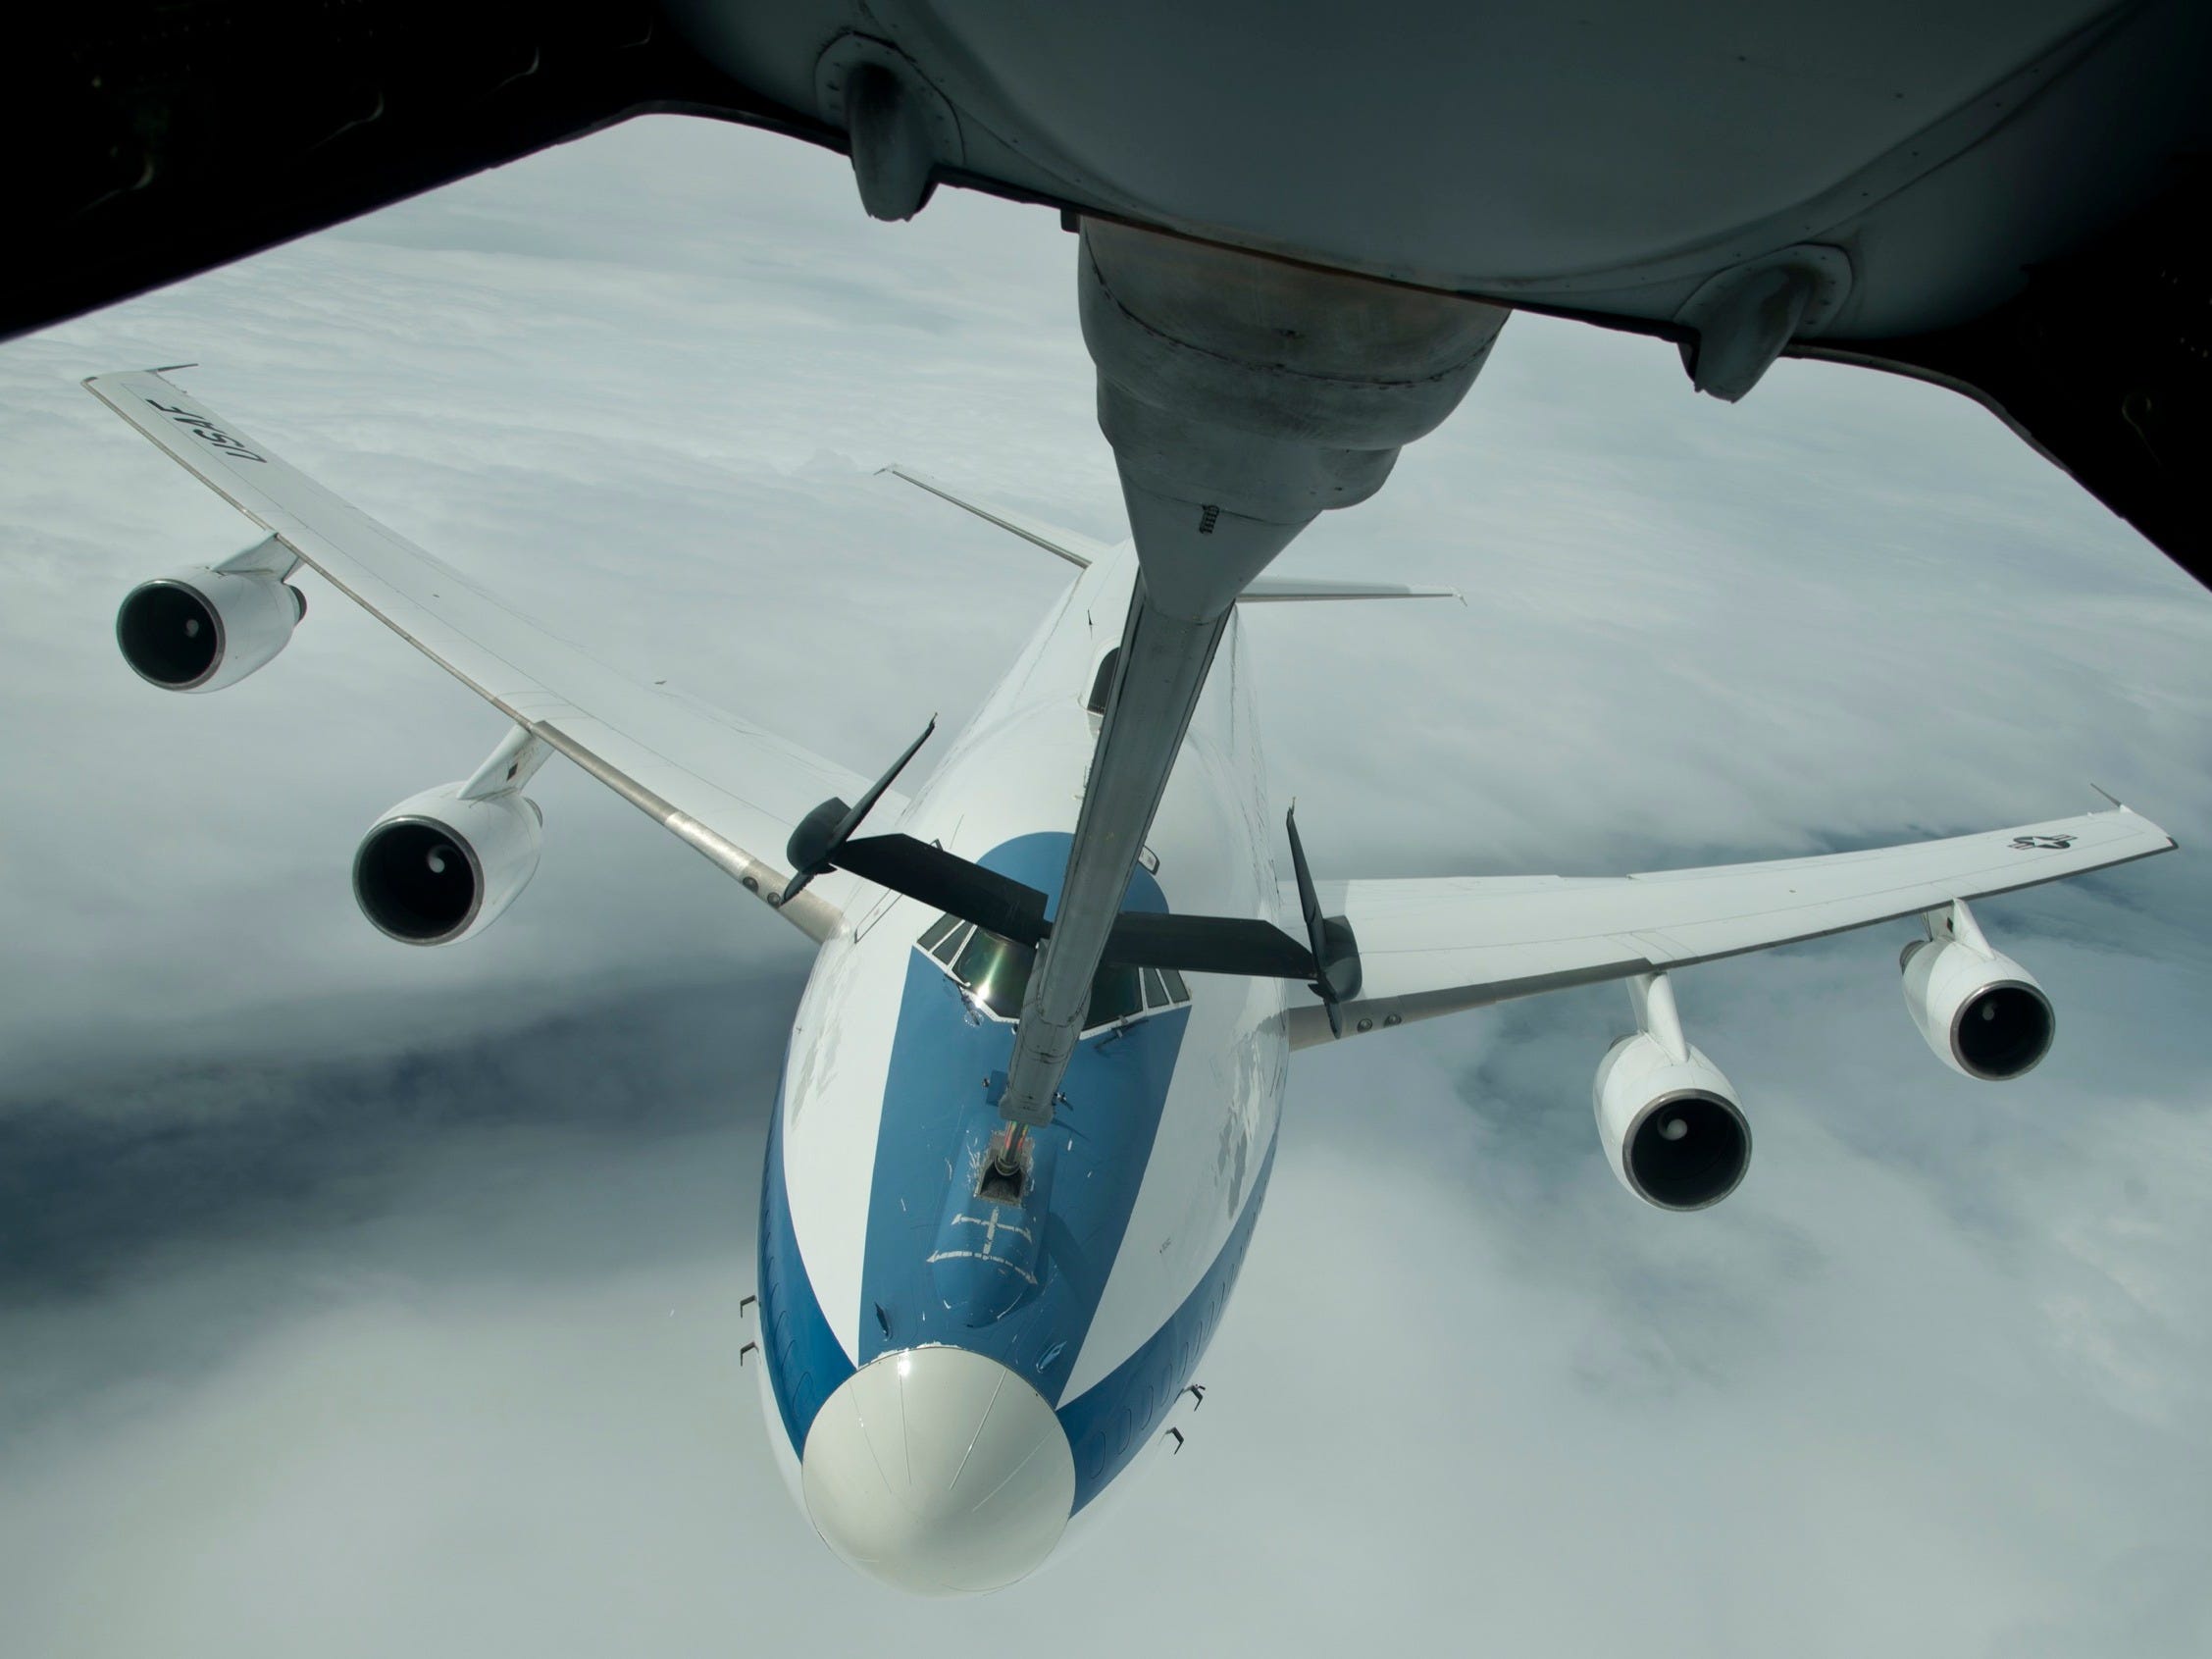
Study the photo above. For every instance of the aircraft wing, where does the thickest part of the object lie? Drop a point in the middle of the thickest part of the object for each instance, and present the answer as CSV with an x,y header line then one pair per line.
x,y
1432,947
723,786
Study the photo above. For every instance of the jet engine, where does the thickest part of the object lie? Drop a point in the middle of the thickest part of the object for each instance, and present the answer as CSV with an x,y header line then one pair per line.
x,y
441,865
1980,1011
201,629
1671,1128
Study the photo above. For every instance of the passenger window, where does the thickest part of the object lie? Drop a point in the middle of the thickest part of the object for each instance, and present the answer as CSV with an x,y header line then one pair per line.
x,y
1156,989
1117,993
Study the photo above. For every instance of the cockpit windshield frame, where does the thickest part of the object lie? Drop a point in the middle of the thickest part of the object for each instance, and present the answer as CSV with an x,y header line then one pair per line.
x,y
993,975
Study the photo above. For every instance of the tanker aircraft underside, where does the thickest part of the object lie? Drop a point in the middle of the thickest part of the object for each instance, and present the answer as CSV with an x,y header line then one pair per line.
x,y
2003,198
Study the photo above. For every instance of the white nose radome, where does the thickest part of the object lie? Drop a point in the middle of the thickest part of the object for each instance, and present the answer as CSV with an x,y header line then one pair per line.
x,y
939,1472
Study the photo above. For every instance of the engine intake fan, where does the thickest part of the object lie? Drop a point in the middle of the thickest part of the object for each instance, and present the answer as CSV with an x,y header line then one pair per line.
x,y
201,629
442,865
1980,1011
1669,1122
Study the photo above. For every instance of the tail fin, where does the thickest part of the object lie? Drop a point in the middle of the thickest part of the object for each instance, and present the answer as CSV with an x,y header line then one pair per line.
x,y
1083,550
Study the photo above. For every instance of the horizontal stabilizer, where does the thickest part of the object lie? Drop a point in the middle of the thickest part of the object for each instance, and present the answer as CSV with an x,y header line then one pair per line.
x,y
1290,589
1078,549
1082,551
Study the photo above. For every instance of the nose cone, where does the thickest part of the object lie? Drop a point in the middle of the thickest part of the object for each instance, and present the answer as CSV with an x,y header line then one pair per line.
x,y
939,1472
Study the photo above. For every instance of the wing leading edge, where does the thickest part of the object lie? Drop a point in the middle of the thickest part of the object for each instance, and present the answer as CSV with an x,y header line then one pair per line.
x,y
1435,947
727,789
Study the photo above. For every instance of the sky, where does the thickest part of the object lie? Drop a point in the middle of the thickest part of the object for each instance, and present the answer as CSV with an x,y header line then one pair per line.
x,y
357,1299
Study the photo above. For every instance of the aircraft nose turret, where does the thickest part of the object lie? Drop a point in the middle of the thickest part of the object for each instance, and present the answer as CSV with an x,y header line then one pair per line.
x,y
939,1472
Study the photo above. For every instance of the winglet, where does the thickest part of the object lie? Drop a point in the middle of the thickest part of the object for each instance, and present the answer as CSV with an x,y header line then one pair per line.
x,y
2109,796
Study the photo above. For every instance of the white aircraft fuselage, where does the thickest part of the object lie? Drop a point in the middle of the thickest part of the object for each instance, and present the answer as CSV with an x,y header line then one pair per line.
x,y
949,1376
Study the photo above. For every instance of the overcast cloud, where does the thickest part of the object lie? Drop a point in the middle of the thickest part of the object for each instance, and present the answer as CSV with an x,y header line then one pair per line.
x,y
360,1300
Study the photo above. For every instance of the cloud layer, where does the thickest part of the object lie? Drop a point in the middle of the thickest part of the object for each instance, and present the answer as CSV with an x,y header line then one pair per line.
x,y
362,1299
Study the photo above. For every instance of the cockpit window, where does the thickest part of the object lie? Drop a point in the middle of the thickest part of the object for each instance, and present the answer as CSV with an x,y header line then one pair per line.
x,y
1117,993
995,972
949,946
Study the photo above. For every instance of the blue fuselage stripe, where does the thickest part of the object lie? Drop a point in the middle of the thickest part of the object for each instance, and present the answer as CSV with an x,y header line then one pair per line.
x,y
1021,1282
804,1358
919,1282
939,1113
1109,1424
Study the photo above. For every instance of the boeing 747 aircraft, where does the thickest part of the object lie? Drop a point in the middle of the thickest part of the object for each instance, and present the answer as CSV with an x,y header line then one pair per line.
x,y
1030,1102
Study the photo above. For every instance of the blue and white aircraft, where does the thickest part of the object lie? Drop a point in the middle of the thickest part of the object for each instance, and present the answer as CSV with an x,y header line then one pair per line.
x,y
975,1321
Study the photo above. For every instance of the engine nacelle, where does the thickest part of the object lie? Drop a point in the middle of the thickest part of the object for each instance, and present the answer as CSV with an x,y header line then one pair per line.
x,y
1980,1011
1671,1129
441,865
201,629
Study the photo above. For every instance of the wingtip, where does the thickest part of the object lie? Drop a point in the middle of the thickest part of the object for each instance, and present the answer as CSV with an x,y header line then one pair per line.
x,y
2121,808
92,382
